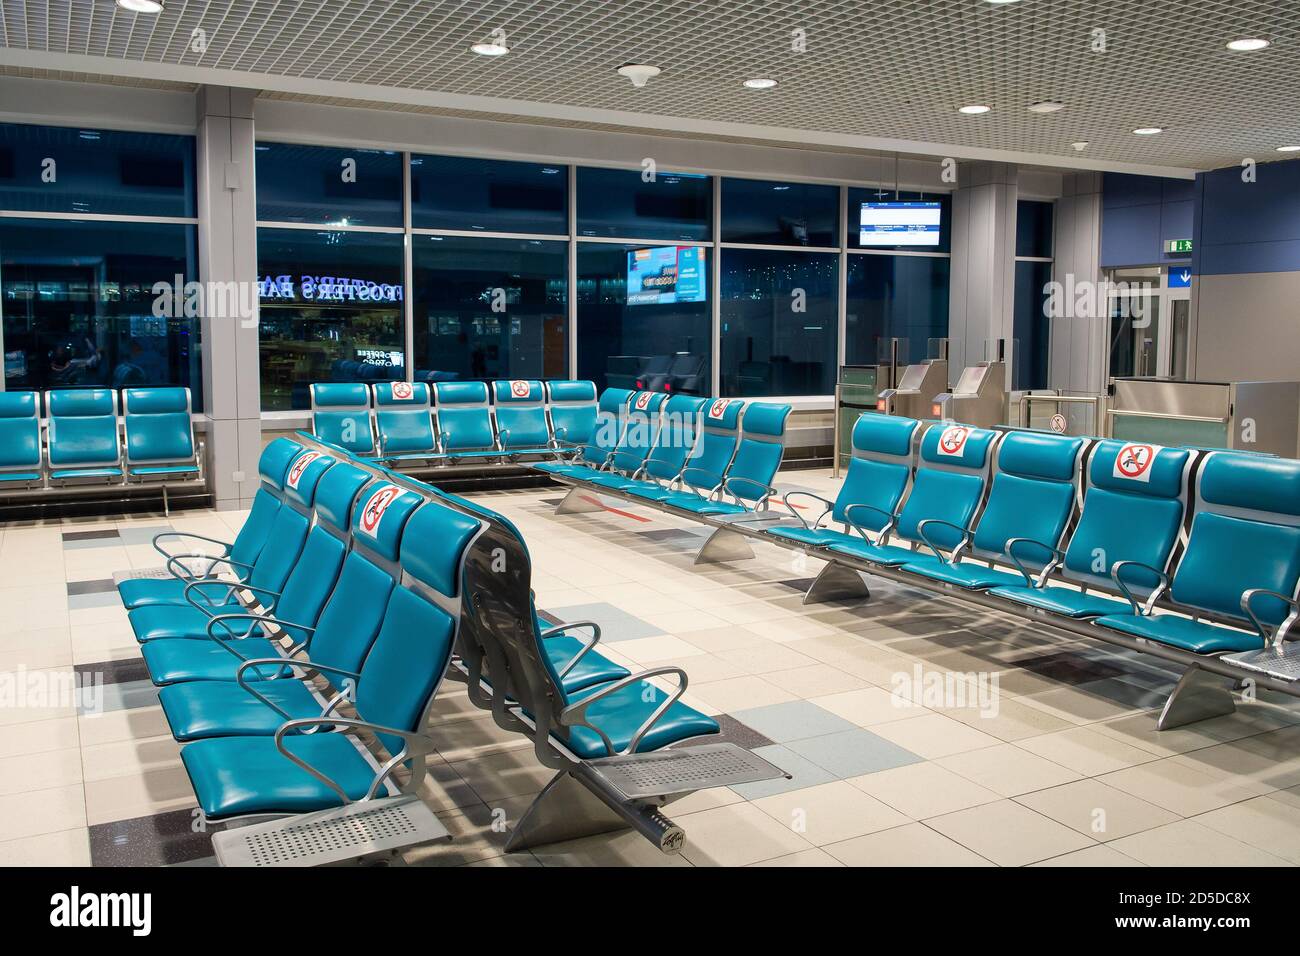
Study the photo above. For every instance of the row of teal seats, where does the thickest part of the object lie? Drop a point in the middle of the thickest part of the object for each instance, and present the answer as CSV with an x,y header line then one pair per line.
x,y
1195,551
711,459
344,589
82,439
453,421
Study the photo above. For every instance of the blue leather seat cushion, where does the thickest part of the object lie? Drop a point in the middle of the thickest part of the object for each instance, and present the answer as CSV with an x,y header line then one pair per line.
x,y
821,537
165,470
650,491
173,662
161,621
622,713
1064,601
592,669
234,776
65,473
607,479
143,592
200,709
888,554
1195,636
685,501
967,574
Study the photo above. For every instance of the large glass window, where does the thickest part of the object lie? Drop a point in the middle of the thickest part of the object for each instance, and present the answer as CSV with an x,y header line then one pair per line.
x,y
901,215
331,310
451,192
80,307
784,214
620,203
779,321
327,186
77,170
1031,324
1034,229
489,308
644,317
903,297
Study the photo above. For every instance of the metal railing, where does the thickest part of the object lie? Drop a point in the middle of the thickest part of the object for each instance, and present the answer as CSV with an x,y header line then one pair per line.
x,y
1058,400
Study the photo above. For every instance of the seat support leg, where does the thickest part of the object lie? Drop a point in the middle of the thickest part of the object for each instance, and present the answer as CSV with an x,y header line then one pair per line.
x,y
578,501
723,546
167,510
568,808
837,583
1198,695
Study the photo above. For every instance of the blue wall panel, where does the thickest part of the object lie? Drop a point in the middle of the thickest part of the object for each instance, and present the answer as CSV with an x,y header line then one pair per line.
x,y
1138,213
1248,227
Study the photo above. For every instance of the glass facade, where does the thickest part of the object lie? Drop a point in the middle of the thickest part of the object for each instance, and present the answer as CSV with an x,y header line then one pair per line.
x,y
628,203
1031,327
489,308
450,192
780,214
327,186
887,297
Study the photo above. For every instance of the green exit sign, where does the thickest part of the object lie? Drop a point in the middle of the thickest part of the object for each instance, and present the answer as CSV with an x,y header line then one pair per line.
x,y
1178,245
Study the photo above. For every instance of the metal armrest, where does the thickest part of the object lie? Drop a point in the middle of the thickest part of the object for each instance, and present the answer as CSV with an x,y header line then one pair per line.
x,y
830,506
681,476
574,715
760,503
414,745
883,534
174,566
1140,609
1283,629
225,619
503,438
225,546
1057,557
951,559
582,651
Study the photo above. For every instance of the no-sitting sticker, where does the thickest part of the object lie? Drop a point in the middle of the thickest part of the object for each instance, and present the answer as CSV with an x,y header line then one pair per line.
x,y
373,512
1134,462
953,440
401,391
299,466
719,408
643,401
520,388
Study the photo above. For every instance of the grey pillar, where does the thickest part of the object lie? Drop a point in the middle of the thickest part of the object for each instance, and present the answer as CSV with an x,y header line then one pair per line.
x,y
227,261
1078,341
982,282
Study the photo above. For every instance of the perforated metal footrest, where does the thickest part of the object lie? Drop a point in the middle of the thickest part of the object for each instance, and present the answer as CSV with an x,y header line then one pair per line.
x,y
1280,662
150,573
331,836
668,772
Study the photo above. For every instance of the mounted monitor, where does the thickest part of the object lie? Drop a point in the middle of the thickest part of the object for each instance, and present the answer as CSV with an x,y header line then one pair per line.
x,y
664,275
899,224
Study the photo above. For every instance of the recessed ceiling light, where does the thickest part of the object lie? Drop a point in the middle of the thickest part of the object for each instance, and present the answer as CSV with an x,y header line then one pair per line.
x,y
1148,130
141,6
1248,44
1000,2
974,110
1080,146
760,83
1046,106
490,48
1288,149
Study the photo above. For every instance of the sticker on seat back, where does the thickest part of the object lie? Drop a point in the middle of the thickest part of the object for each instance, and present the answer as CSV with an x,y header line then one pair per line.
x,y
372,515
952,442
520,388
299,466
719,408
401,391
1134,462
643,401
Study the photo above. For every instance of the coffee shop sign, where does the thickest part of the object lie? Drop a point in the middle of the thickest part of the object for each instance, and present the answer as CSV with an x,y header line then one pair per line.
x,y
327,289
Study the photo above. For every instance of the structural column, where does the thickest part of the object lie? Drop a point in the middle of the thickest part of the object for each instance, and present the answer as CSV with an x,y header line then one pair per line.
x,y
228,272
982,284
1078,338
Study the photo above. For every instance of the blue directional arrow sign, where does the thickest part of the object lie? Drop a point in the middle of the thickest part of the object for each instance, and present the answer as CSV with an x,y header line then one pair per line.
x,y
1180,277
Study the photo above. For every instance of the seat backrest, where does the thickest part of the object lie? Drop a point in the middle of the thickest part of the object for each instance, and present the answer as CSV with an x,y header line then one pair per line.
x,y
761,448
677,435
640,432
288,532
406,663
1034,489
158,426
464,416
572,408
83,428
271,466
951,475
879,470
20,431
340,415
716,446
611,417
520,408
404,417
1245,535
1134,502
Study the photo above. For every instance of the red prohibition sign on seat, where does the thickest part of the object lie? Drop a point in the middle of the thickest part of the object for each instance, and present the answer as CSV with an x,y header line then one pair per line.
x,y
299,466
519,388
642,400
953,439
1134,460
402,391
718,408
374,510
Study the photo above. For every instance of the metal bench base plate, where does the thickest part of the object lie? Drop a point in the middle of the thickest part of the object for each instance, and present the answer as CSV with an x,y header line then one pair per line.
x,y
1280,662
667,773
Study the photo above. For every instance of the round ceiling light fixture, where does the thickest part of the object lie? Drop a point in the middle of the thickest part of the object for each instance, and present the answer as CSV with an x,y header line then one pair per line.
x,y
1080,146
1148,130
141,6
759,83
639,73
1288,149
974,109
1249,44
490,48
1046,106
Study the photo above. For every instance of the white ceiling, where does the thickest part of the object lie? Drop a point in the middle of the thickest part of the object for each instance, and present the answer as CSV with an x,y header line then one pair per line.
x,y
888,74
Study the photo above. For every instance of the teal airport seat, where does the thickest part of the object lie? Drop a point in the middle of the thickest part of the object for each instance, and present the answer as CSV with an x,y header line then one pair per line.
x,y
607,432
1134,505
159,434
465,420
746,485
519,407
21,455
404,421
640,436
390,692
571,410
340,415
674,438
241,554
1024,520
705,468
84,447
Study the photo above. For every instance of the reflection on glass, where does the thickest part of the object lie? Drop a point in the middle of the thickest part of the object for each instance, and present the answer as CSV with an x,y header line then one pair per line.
x,y
904,297
785,214
489,308
1030,325
1034,229
778,322
659,342
451,192
328,187
79,305
1134,335
331,311
618,203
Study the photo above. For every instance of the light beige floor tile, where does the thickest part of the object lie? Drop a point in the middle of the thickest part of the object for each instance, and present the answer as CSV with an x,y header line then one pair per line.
x,y
1097,810
830,813
923,790
1087,751
36,649
738,835
115,726
465,739
789,629
1008,833
739,693
1187,843
869,706
681,622
912,845
1008,770
803,858
815,680
62,848
39,737
131,757
609,849
1008,720
40,771
135,795
716,640
1182,789
497,776
37,694
1102,855
657,650
934,735
1266,824
766,657
42,811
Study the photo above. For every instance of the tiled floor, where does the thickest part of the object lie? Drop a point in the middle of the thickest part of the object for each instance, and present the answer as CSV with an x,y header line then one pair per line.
x,y
1057,763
